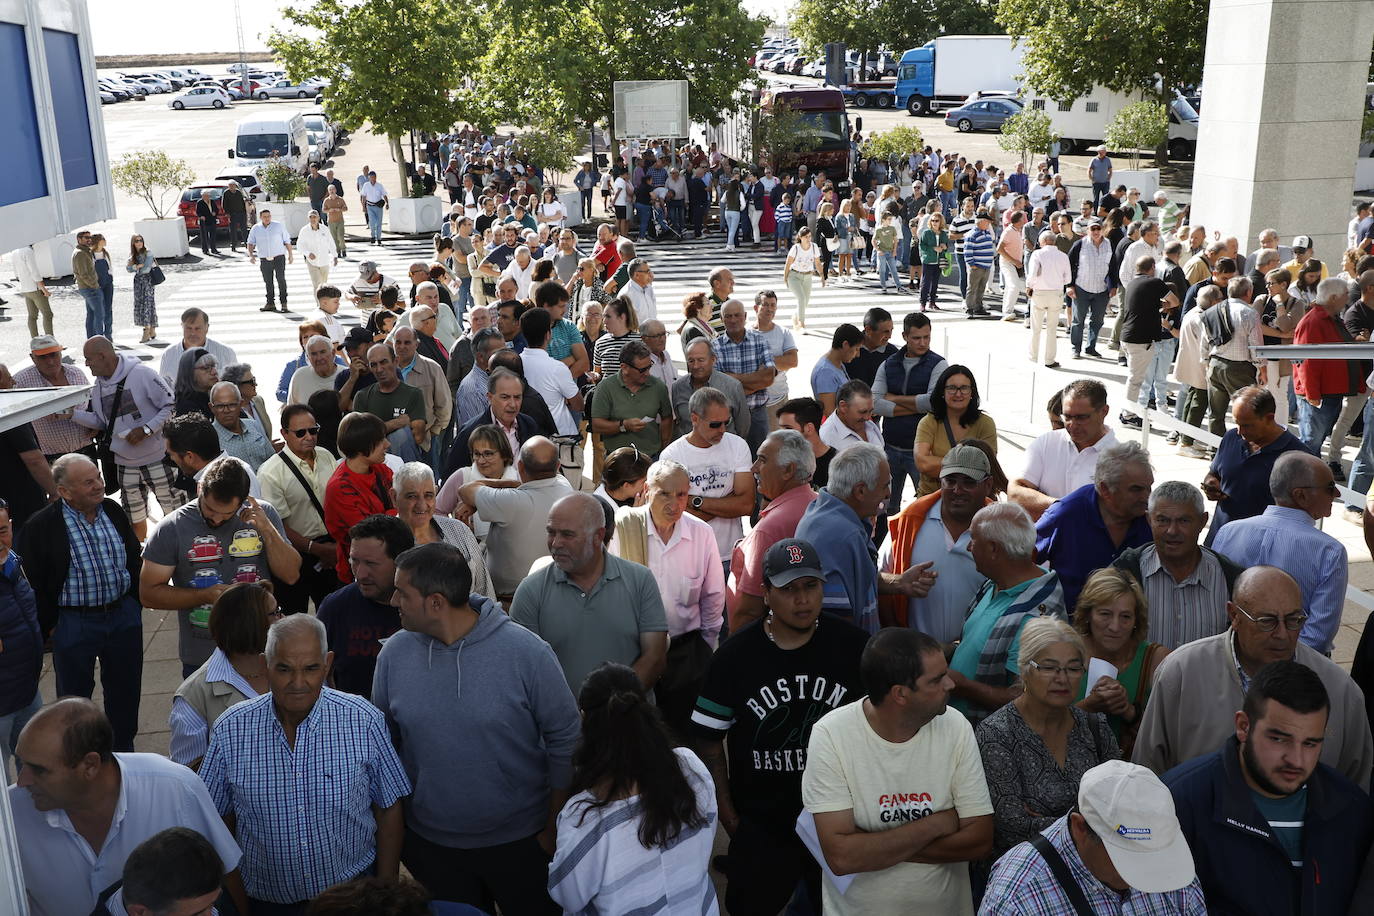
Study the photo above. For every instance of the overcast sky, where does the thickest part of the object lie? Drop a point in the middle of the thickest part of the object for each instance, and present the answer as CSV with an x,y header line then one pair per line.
x,y
120,29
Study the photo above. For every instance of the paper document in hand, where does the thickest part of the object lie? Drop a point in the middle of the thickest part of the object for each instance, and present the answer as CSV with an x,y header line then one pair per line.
x,y
806,829
1097,669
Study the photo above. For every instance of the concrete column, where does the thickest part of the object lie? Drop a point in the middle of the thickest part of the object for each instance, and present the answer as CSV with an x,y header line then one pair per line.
x,y
1283,96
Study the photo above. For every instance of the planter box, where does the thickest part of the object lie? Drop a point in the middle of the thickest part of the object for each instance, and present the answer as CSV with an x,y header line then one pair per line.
x,y
54,256
294,215
1147,180
415,215
165,238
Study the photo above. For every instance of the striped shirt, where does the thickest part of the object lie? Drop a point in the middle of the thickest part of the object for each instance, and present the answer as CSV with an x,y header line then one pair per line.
x,y
56,436
782,213
98,573
979,248
962,225
1246,334
741,357
1022,884
304,814
606,353
1288,538
601,867
1181,612
1094,273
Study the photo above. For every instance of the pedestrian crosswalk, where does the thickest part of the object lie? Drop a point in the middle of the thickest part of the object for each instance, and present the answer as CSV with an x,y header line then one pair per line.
x,y
232,294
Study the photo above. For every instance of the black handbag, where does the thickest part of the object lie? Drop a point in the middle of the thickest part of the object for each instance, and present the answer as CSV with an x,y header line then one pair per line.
x,y
108,468
156,276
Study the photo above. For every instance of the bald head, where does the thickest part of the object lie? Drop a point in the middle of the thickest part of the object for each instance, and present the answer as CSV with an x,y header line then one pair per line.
x,y
538,459
583,508
1266,584
1293,472
79,725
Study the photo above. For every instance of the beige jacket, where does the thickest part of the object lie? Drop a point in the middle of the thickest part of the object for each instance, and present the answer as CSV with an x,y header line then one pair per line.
x,y
1192,709
428,376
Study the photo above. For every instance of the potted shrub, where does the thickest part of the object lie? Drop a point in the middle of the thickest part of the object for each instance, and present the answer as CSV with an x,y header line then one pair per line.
x,y
1027,132
417,213
283,185
1138,126
158,180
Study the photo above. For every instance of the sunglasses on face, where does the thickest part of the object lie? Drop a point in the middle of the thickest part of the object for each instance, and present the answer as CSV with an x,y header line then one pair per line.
x,y
716,424
308,431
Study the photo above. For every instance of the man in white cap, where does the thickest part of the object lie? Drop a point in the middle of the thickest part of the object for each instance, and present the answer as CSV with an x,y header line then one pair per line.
x,y
1120,850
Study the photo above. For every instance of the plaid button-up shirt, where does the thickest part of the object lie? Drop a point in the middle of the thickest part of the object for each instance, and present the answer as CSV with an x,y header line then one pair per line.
x,y
304,813
742,357
98,572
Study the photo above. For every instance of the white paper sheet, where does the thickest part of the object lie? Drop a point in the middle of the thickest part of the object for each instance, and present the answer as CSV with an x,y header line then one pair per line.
x,y
1097,669
806,829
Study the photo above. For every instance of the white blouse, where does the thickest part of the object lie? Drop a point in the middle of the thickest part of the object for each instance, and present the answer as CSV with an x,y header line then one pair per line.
x,y
805,261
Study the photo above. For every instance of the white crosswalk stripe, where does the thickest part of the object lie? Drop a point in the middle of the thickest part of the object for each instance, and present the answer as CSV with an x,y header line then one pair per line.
x,y
232,293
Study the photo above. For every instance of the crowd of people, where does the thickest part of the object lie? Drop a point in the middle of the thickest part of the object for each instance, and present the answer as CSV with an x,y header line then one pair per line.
x,y
492,530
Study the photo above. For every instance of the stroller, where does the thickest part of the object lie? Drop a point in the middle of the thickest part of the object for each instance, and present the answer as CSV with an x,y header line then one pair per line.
x,y
660,227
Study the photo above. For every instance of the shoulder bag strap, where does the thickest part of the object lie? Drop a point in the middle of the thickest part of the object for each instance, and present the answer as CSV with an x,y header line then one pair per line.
x,y
949,432
1062,874
309,490
1139,697
114,411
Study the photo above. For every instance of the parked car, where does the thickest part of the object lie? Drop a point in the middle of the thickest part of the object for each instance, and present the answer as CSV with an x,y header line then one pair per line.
x,y
985,114
202,97
286,89
247,181
320,127
152,81
138,89
120,93
186,207
107,98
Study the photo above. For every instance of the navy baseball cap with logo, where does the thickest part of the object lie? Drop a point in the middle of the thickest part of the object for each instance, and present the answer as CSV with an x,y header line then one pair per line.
x,y
789,560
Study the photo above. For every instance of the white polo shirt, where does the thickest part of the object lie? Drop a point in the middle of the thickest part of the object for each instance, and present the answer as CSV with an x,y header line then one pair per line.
x,y
840,437
554,383
1056,467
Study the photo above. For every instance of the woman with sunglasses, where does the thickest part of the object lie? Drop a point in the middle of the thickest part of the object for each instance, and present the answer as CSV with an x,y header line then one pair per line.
x,y
235,671
141,264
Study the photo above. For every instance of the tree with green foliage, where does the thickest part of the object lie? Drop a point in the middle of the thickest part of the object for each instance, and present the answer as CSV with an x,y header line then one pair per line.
x,y
393,64
1129,46
1140,125
866,25
553,64
1027,131
897,143
778,133
151,175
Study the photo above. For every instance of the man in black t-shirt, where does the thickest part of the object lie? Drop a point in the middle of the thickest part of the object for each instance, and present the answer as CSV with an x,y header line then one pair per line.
x,y
767,685
359,616
1143,304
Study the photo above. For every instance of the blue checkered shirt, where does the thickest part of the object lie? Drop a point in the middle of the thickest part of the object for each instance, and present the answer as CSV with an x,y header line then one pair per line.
x,y
98,572
742,357
304,817
1022,884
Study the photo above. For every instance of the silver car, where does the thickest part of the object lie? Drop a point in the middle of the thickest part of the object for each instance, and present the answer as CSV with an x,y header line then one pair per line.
x,y
202,97
285,89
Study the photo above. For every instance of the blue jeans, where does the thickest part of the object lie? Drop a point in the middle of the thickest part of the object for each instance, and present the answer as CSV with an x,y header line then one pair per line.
x,y
949,200
1362,469
888,266
11,725
902,461
731,218
677,211
783,237
1316,423
95,311
963,274
930,283
1100,190
463,301
643,212
374,221
116,639
904,247
1156,379
1086,304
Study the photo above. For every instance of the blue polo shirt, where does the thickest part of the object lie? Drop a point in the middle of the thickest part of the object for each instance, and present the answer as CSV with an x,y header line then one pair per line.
x,y
1072,538
848,559
1244,477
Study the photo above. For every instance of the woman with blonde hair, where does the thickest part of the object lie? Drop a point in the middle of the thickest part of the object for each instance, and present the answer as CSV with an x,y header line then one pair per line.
x,y
1037,747
694,326
1113,618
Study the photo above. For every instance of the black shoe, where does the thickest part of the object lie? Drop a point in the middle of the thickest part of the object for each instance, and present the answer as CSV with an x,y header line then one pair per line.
x,y
1093,353
1051,365
1131,420
1121,360
284,310
268,308
1336,471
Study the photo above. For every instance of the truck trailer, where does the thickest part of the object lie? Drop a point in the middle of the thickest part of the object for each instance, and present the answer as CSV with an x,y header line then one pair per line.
x,y
944,72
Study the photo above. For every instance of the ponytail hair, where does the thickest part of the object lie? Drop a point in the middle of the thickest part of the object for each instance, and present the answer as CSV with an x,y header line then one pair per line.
x,y
625,750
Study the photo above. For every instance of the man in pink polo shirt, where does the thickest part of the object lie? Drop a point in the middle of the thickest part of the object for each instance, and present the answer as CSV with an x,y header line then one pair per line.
x,y
782,473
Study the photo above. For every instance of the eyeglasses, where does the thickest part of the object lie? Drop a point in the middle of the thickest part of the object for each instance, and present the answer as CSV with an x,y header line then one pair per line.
x,y
654,336
1270,622
248,381
1328,487
233,406
716,424
1053,671
302,433
641,369
958,389
486,455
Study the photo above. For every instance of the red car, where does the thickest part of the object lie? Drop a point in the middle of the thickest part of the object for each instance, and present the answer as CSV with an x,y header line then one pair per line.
x,y
186,208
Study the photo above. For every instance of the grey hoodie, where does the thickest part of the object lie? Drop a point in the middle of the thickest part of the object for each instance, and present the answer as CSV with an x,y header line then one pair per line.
x,y
146,401
485,727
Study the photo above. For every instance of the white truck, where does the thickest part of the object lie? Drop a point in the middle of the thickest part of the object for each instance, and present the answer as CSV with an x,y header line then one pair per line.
x,y
1082,123
945,71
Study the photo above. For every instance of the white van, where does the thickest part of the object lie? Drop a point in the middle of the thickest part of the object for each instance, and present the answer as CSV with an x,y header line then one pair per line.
x,y
256,139
1082,123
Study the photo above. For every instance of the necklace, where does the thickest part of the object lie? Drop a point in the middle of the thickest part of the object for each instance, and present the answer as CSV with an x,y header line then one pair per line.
x,y
768,627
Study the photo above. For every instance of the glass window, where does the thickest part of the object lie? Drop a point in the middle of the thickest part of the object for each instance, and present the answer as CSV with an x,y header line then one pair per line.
x,y
68,86
24,175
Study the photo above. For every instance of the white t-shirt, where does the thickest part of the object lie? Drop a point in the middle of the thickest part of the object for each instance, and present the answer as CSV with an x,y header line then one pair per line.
x,y
332,325
806,262
553,382
712,473
780,341
305,381
1055,465
886,785
621,191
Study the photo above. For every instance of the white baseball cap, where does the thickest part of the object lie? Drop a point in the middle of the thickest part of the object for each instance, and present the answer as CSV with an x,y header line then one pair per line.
x,y
1133,815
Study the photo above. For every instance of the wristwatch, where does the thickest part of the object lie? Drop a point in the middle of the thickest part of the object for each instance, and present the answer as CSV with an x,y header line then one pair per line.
x,y
146,430
622,426
697,502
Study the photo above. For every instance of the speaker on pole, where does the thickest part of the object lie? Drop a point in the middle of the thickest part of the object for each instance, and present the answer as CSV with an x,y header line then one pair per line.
x,y
836,74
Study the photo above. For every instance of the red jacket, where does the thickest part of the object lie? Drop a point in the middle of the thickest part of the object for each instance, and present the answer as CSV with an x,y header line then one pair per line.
x,y
1319,378
348,499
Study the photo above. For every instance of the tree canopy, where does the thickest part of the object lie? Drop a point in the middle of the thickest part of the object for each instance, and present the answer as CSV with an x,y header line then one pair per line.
x,y
865,25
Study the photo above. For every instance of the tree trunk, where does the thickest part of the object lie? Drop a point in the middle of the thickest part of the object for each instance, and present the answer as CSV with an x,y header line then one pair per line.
x,y
398,154
1162,150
